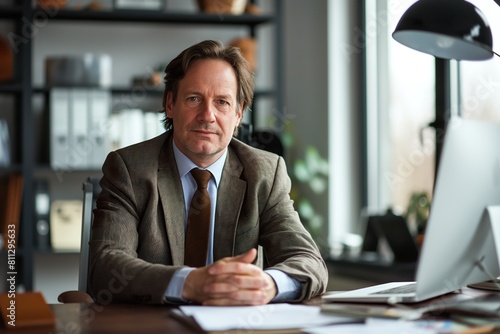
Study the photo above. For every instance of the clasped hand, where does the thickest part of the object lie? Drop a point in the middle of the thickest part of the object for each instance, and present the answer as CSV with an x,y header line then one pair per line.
x,y
230,281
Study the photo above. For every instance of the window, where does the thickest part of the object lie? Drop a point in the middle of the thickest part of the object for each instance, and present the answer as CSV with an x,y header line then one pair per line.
x,y
400,106
480,81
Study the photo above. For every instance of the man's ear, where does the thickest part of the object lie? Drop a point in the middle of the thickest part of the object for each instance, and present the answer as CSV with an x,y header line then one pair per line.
x,y
169,104
239,114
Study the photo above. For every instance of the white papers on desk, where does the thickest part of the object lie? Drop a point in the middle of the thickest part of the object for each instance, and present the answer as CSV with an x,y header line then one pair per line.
x,y
377,326
265,317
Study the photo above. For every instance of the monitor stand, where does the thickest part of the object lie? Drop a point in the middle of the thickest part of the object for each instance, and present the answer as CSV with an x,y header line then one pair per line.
x,y
491,217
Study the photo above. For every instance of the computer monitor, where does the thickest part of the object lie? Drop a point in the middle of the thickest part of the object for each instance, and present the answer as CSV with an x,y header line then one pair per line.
x,y
459,248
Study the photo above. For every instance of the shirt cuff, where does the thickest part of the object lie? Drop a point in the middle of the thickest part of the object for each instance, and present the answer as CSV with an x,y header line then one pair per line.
x,y
176,285
288,287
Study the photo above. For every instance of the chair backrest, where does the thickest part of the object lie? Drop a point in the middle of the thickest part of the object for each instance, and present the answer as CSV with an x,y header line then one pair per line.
x,y
88,195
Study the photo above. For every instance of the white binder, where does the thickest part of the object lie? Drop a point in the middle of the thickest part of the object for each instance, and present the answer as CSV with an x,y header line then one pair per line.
x,y
59,128
80,144
99,111
131,127
153,125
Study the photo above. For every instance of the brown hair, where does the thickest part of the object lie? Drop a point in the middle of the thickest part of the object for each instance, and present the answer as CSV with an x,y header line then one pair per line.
x,y
209,49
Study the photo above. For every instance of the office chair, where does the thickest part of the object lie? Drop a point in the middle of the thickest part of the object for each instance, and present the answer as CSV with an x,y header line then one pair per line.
x,y
264,139
268,141
81,295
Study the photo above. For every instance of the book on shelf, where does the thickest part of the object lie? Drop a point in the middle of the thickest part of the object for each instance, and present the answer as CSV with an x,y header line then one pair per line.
x,y
10,209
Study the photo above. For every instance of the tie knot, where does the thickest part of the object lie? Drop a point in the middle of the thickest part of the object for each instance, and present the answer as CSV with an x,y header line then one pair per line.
x,y
201,177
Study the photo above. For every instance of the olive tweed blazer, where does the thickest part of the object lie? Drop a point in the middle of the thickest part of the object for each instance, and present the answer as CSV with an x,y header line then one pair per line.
x,y
137,240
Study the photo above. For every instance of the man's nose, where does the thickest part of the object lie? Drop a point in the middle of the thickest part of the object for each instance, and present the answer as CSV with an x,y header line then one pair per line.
x,y
207,112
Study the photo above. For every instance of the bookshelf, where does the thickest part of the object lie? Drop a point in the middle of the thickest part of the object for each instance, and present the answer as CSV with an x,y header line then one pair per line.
x,y
24,91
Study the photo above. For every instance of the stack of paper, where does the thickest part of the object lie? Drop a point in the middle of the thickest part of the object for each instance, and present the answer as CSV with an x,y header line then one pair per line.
x,y
283,318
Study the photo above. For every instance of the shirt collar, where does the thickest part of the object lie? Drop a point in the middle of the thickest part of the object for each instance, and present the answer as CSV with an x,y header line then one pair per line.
x,y
184,164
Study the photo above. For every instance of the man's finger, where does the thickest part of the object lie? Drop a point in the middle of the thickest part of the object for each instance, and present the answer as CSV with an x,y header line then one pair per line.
x,y
249,297
229,283
239,264
247,257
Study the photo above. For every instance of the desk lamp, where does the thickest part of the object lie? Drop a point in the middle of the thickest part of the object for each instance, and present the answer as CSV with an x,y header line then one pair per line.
x,y
446,29
449,29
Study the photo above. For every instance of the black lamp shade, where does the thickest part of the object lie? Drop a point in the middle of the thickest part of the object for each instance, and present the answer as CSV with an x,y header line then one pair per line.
x,y
450,29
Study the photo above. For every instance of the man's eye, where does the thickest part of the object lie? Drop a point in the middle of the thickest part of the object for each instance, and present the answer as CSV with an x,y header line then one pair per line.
x,y
193,99
223,102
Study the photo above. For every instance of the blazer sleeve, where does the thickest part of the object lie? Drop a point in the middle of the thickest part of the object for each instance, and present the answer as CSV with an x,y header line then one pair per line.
x,y
287,245
117,272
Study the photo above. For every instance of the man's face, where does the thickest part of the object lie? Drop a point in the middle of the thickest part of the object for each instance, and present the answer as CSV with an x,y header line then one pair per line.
x,y
205,112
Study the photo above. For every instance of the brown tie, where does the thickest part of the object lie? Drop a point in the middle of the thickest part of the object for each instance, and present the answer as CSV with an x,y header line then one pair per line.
x,y
198,222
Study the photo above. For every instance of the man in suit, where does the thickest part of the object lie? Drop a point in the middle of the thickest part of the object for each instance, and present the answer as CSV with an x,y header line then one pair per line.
x,y
139,243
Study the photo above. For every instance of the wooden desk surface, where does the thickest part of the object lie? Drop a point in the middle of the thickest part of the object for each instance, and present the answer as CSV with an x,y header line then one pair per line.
x,y
114,318
137,318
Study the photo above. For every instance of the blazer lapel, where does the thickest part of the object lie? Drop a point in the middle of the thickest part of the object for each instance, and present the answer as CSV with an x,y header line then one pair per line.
x,y
229,201
173,206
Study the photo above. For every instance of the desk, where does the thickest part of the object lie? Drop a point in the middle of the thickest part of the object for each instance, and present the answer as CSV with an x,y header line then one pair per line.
x,y
131,318
114,318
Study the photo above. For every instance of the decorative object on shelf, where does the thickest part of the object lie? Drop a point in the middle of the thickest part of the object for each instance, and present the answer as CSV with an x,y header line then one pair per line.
x,y
151,80
250,8
52,4
235,7
138,4
93,5
6,60
4,144
66,224
248,48
81,70
42,214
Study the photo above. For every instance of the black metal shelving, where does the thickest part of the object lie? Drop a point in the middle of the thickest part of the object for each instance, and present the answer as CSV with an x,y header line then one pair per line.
x,y
160,17
125,90
10,88
10,12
